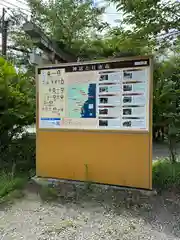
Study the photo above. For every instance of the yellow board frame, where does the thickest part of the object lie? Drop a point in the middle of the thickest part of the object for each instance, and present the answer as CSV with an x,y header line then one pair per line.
x,y
122,158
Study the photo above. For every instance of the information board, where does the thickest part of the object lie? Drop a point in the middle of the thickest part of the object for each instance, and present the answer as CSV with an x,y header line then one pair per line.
x,y
97,96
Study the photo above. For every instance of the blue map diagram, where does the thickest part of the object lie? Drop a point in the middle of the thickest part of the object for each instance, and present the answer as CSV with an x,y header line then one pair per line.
x,y
82,100
89,107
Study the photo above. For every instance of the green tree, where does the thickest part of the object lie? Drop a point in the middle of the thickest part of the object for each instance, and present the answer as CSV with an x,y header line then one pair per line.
x,y
148,18
121,40
71,23
17,103
166,101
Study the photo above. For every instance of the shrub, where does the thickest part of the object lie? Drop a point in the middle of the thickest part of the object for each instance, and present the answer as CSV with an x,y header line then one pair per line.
x,y
166,103
17,110
17,106
19,156
166,174
9,183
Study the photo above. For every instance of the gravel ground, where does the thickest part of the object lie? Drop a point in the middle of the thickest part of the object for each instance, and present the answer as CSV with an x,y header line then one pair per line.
x,y
103,213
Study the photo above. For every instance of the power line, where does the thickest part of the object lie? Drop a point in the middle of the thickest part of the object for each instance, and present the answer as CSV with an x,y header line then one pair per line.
x,y
117,13
21,2
22,14
17,49
13,9
27,10
9,14
111,13
15,6
4,28
160,36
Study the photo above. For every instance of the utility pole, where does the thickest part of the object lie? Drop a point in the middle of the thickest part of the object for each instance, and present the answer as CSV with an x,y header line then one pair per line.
x,y
4,33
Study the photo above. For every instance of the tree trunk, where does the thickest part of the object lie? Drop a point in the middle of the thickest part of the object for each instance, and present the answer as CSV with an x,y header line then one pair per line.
x,y
172,148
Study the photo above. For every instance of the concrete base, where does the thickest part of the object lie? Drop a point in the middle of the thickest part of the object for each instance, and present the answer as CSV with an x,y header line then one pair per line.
x,y
58,182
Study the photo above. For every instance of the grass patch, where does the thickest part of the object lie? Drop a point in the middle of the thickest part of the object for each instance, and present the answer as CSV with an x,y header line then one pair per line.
x,y
10,186
166,175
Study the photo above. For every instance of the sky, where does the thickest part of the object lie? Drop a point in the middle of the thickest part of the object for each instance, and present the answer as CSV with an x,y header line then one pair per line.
x,y
110,15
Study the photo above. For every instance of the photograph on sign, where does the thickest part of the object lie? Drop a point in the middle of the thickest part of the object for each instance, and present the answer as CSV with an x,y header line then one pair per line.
x,y
134,75
109,123
111,89
134,123
110,77
134,111
94,96
134,88
111,111
139,99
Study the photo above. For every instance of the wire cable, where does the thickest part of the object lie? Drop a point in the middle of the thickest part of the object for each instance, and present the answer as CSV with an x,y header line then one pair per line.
x,y
22,13
160,36
15,6
27,10
13,9
21,2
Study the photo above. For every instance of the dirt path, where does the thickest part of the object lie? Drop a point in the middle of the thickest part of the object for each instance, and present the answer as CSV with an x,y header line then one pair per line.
x,y
103,213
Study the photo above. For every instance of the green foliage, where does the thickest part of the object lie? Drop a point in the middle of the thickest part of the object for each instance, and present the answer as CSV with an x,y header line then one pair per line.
x,y
17,110
128,41
17,100
67,20
148,18
166,175
70,23
20,154
166,101
8,184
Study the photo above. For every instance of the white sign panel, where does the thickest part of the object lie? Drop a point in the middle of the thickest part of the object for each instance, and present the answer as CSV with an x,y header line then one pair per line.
x,y
108,96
